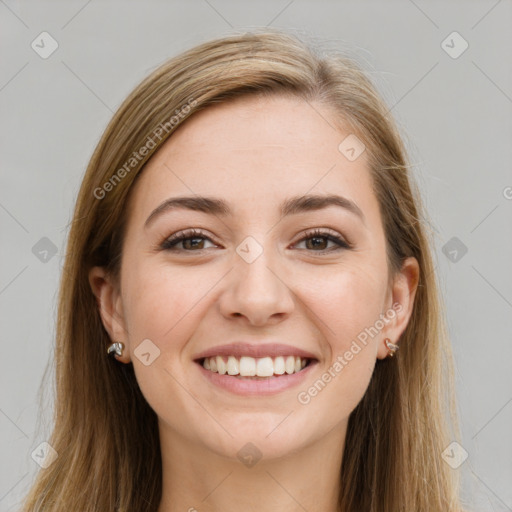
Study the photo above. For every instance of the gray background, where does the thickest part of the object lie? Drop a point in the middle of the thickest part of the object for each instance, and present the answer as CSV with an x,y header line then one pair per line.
x,y
454,113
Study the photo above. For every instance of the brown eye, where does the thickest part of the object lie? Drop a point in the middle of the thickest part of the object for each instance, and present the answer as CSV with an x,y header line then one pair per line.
x,y
318,241
191,241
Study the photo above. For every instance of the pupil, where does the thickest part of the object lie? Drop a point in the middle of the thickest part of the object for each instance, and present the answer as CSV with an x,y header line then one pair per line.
x,y
317,239
189,242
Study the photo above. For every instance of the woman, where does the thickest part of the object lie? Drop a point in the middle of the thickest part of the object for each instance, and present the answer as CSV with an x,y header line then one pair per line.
x,y
247,254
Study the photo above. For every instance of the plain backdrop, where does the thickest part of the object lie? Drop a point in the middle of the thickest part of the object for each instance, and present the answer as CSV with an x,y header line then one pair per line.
x,y
443,67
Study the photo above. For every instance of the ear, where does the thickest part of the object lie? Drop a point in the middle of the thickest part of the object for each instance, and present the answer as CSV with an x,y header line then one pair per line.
x,y
109,302
400,299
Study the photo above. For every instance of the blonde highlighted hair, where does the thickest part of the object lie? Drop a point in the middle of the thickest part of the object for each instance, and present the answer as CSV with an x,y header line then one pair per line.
x,y
104,430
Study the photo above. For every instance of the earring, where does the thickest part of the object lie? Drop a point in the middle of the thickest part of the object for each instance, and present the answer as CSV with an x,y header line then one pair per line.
x,y
391,346
117,347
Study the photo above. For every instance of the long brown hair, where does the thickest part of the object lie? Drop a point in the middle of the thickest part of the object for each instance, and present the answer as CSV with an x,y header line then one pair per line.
x,y
106,434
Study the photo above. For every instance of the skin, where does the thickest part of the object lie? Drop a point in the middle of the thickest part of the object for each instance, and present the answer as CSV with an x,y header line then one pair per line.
x,y
254,153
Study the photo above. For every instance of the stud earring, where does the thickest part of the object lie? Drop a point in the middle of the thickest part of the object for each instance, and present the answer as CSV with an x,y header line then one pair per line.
x,y
117,348
391,346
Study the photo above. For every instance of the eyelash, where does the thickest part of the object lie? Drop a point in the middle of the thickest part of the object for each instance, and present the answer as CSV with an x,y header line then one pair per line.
x,y
169,243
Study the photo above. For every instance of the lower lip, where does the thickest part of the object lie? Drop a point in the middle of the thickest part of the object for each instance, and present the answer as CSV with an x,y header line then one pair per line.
x,y
256,387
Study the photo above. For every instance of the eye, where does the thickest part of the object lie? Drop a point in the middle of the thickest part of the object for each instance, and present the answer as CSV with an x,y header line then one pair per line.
x,y
318,240
191,240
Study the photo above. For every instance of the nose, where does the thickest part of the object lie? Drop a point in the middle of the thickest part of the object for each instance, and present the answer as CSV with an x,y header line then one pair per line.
x,y
257,291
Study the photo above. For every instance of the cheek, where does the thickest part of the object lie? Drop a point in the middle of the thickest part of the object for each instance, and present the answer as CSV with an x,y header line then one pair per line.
x,y
162,305
345,307
345,301
160,302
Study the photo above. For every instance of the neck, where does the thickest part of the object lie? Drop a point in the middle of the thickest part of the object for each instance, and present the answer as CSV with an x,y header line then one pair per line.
x,y
194,478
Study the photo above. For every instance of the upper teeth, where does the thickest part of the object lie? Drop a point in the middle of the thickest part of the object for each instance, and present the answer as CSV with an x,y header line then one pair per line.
x,y
249,366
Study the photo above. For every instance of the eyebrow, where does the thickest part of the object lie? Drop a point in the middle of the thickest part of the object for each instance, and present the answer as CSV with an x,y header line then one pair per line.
x,y
292,206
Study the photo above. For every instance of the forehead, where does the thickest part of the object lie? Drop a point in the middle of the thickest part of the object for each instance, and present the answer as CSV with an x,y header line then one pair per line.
x,y
254,152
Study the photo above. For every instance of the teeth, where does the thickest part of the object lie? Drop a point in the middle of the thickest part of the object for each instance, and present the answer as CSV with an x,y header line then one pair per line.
x,y
289,364
279,365
250,366
247,366
221,365
233,366
265,367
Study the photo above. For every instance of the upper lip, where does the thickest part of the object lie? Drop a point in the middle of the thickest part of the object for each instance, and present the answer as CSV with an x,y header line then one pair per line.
x,y
239,349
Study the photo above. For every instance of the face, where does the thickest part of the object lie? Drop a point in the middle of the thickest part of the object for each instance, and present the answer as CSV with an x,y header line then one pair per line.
x,y
310,280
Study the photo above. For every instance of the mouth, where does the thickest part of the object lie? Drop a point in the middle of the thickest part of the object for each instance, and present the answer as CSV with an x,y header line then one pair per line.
x,y
255,377
255,369
251,368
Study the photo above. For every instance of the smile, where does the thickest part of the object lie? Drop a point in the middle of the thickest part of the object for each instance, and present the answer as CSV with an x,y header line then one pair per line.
x,y
255,367
255,377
